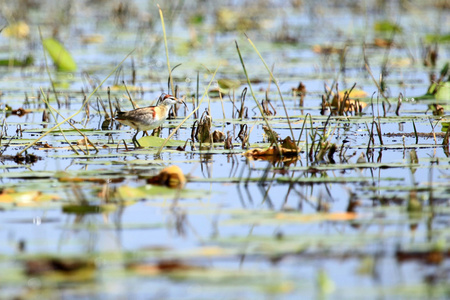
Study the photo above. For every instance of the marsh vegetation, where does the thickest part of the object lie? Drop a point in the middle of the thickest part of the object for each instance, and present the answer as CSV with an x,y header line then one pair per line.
x,y
311,159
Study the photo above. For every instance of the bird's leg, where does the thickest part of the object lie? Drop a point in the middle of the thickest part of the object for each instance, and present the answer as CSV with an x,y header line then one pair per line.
x,y
135,142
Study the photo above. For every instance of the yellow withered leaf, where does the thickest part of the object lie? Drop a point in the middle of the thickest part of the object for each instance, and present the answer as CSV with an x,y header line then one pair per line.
x,y
336,216
6,198
172,177
211,251
19,30
353,94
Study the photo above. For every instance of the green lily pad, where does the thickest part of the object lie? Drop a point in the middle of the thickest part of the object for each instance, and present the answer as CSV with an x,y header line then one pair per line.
x,y
229,83
437,38
88,209
60,56
154,141
387,26
443,92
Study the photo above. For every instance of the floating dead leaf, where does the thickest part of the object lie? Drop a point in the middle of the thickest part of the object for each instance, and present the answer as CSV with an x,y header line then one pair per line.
x,y
355,93
165,266
203,133
6,198
172,177
46,146
92,39
25,198
228,144
382,43
433,257
47,197
20,112
402,62
28,158
336,216
270,153
19,30
218,136
82,142
350,105
288,143
79,269
325,50
211,251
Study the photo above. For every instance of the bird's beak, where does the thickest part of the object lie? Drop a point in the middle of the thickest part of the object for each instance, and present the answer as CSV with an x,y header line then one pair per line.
x,y
181,100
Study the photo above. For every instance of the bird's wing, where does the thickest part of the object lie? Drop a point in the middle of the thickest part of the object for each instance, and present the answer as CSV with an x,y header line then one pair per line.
x,y
137,114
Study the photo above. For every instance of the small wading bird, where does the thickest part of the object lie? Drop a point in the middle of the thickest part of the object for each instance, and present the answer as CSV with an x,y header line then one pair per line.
x,y
147,118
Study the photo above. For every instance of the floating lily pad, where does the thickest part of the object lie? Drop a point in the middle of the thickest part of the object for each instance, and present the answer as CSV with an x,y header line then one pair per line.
x,y
60,56
154,141
88,209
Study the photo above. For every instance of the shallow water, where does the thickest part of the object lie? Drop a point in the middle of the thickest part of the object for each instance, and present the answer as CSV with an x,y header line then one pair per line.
x,y
248,235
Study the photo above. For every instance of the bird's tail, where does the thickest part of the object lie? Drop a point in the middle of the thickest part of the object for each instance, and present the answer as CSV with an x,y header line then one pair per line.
x,y
119,115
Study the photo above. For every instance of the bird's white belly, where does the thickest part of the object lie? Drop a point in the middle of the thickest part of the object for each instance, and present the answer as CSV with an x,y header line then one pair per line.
x,y
148,124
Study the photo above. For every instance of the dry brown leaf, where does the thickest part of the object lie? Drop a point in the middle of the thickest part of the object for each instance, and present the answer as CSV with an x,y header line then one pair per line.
x,y
172,177
20,112
92,39
19,30
350,104
382,43
336,216
6,198
325,50
211,251
288,143
354,94
165,266
218,136
258,153
45,266
82,142
25,198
